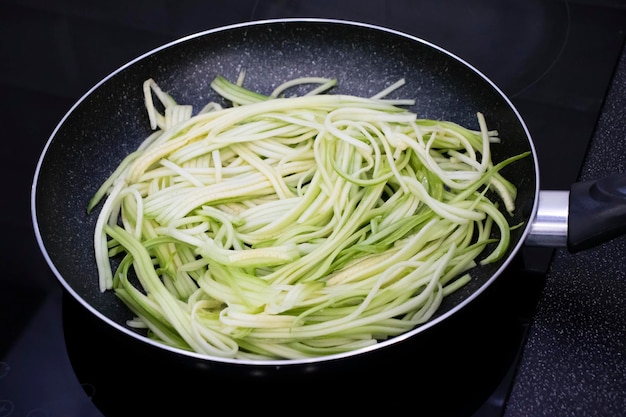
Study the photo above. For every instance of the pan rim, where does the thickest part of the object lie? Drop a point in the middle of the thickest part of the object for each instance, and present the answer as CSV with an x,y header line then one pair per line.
x,y
280,363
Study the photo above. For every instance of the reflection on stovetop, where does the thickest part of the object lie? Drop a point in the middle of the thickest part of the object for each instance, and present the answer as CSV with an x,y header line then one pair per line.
x,y
554,59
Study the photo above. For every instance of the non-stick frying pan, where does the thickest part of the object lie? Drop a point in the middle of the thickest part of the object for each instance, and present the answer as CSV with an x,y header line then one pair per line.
x,y
109,122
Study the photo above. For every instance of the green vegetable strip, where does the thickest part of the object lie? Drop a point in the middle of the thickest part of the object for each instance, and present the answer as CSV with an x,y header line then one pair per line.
x,y
297,227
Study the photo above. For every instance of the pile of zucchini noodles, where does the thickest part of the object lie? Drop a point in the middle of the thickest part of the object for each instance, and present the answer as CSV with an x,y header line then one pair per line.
x,y
291,227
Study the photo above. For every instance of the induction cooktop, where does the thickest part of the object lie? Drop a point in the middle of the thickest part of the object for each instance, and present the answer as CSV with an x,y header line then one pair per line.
x,y
554,59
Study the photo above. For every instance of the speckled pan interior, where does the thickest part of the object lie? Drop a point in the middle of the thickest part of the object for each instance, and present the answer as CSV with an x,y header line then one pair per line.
x,y
110,121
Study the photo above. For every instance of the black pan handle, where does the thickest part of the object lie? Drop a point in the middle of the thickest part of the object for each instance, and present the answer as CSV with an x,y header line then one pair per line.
x,y
597,212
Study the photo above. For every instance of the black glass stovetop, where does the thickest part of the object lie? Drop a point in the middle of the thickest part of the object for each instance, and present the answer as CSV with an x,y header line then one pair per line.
x,y
554,59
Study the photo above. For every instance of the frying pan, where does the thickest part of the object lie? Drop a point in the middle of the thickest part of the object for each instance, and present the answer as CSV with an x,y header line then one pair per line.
x,y
109,122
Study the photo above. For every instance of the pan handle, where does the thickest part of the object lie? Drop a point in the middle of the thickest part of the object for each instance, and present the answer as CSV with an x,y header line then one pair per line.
x,y
590,213
549,227
597,212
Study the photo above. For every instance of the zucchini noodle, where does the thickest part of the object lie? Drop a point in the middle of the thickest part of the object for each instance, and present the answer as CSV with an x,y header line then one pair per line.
x,y
293,227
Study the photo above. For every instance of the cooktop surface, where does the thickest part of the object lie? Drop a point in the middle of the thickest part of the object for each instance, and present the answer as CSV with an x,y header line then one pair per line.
x,y
557,344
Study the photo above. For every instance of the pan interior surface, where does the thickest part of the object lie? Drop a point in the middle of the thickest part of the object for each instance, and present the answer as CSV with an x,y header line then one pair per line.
x,y
110,121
